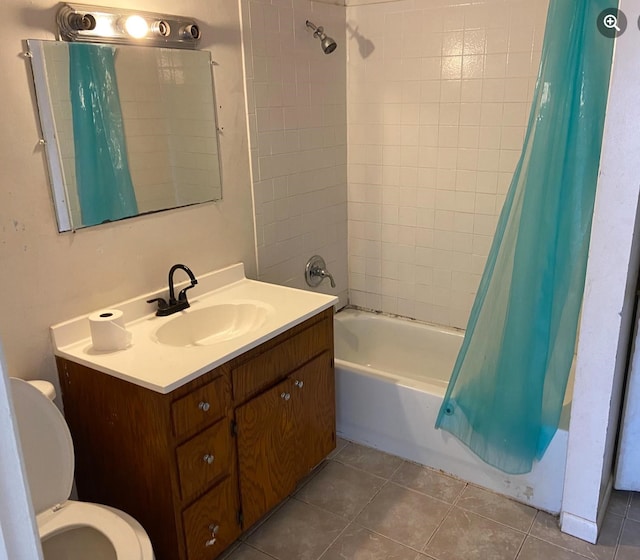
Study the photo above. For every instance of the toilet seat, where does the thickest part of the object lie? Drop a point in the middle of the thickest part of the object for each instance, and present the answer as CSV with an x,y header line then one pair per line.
x,y
48,454
73,515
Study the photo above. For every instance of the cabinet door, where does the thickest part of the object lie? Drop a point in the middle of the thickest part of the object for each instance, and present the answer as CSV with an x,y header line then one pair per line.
x,y
266,452
314,399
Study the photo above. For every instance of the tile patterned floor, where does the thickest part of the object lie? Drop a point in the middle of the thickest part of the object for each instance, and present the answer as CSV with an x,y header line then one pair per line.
x,y
362,504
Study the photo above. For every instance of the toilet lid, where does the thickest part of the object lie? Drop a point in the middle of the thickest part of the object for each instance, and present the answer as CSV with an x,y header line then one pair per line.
x,y
46,443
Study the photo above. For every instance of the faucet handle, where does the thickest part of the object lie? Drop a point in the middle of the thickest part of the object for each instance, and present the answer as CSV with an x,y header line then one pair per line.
x,y
162,303
182,295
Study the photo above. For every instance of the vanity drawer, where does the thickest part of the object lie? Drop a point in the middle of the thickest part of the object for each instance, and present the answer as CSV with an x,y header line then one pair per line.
x,y
214,516
251,377
200,408
204,458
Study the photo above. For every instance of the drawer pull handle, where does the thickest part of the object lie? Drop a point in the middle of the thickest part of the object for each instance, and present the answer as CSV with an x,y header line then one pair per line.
x,y
204,406
214,532
208,458
285,396
299,384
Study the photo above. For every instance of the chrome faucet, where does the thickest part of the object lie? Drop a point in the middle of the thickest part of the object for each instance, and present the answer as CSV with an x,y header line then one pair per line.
x,y
174,305
316,271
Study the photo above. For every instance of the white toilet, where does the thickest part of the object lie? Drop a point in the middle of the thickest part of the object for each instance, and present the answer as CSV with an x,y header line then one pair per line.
x,y
69,530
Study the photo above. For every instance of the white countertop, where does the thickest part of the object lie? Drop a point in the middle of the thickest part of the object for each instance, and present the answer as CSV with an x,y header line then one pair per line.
x,y
163,368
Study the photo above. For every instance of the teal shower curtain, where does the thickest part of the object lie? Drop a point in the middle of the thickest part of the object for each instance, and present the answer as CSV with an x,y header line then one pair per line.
x,y
507,388
105,189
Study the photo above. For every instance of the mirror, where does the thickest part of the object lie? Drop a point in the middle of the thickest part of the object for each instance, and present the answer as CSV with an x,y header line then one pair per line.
x,y
127,130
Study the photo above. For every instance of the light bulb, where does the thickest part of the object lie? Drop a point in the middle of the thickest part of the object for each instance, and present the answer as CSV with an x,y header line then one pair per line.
x,y
136,26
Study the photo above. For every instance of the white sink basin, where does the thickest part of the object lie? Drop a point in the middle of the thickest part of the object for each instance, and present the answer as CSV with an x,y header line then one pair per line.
x,y
213,324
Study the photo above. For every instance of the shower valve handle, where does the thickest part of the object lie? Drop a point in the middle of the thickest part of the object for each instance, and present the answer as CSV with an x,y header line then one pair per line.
x,y
322,273
316,271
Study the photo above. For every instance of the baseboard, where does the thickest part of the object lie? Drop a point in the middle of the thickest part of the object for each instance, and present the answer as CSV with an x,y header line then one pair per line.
x,y
604,502
579,527
583,528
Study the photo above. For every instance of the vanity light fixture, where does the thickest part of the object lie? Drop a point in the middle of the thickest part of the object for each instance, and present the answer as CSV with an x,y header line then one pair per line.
x,y
97,24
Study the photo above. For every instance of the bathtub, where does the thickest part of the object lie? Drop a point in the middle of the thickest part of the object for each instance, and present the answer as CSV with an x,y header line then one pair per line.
x,y
391,376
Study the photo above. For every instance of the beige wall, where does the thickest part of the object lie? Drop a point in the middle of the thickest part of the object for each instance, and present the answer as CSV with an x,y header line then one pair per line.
x,y
47,277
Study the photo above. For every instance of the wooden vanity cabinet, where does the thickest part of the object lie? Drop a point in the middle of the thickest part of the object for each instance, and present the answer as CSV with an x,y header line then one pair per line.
x,y
168,460
287,429
199,465
283,433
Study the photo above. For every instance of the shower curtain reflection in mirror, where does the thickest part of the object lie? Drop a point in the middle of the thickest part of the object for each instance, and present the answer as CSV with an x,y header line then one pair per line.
x,y
103,179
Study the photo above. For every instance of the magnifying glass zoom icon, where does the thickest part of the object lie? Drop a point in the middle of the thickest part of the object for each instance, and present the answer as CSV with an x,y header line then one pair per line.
x,y
611,22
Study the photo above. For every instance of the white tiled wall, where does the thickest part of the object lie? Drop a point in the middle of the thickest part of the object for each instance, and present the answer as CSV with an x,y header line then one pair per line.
x,y
438,101
145,123
170,126
298,130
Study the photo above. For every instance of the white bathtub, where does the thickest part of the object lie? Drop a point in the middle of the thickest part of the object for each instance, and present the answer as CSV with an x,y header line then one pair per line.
x,y
391,376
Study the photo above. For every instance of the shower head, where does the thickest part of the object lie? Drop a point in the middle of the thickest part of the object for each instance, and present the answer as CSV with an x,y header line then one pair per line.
x,y
327,43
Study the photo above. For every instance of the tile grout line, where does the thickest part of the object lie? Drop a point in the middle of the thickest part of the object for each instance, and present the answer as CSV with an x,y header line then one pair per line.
x,y
619,537
524,540
533,521
336,460
307,479
333,541
318,508
353,521
400,465
258,524
446,515
484,516
451,505
386,480
454,504
261,551
563,548
349,522
387,537
573,551
471,485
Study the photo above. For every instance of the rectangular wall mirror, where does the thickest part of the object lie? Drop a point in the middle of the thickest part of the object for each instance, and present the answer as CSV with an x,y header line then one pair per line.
x,y
128,130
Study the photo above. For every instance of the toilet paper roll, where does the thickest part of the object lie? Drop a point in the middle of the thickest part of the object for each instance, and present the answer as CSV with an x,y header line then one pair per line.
x,y
108,332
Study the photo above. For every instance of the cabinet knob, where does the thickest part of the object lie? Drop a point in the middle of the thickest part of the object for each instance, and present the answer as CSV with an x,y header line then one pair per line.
x,y
299,384
208,458
285,396
204,406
